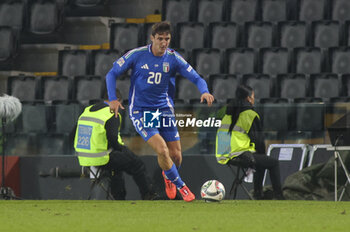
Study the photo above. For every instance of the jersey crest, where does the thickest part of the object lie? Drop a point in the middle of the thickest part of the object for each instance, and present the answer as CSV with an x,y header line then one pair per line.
x,y
166,67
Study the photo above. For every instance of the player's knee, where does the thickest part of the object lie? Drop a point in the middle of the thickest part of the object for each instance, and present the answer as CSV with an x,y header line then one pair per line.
x,y
163,151
175,154
177,159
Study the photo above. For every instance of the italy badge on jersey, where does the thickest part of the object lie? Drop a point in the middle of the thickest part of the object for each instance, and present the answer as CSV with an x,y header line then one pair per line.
x,y
166,67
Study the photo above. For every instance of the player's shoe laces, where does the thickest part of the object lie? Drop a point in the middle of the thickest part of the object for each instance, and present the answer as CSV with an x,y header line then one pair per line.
x,y
186,194
170,188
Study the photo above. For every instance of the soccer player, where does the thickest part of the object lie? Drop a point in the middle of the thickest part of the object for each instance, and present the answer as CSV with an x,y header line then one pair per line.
x,y
153,66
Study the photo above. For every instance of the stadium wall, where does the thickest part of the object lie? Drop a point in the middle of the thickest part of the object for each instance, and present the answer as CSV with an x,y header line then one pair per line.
x,y
195,170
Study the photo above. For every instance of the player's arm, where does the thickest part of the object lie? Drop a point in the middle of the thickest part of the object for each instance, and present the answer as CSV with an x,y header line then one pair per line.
x,y
188,72
119,67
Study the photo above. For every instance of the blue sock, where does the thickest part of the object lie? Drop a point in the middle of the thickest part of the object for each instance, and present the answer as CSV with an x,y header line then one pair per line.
x,y
174,176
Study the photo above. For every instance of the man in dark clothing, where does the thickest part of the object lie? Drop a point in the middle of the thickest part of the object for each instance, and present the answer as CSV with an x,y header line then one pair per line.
x,y
90,146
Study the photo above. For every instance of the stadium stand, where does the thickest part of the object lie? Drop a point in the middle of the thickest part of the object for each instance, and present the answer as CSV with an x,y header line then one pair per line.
x,y
310,115
274,10
274,61
240,61
73,62
52,144
89,30
345,79
190,35
186,90
209,11
291,51
79,8
339,58
44,21
223,86
312,10
325,85
25,88
292,34
21,144
88,88
29,54
9,41
274,113
12,14
308,60
146,33
35,117
262,84
55,88
292,85
176,11
223,35
340,10
207,61
242,11
102,61
125,36
123,84
326,34
259,34
65,115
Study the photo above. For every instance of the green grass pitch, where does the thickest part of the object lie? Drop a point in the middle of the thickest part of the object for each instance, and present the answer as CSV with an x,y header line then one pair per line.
x,y
228,215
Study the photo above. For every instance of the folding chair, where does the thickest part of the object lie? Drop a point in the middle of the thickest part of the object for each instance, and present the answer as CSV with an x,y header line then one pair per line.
x,y
319,153
98,176
240,174
292,158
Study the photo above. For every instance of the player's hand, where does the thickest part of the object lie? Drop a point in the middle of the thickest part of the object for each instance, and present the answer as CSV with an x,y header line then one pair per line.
x,y
114,107
208,97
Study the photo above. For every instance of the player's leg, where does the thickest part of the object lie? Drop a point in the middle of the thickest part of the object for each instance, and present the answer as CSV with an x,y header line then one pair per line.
x,y
175,152
152,137
172,138
159,146
166,164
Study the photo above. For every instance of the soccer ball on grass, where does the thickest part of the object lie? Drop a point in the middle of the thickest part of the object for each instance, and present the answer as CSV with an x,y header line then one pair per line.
x,y
213,190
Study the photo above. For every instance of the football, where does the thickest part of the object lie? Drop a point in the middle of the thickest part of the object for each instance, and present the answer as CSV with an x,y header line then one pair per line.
x,y
213,190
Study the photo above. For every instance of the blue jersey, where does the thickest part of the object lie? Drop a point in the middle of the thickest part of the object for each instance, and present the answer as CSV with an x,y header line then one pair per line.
x,y
151,77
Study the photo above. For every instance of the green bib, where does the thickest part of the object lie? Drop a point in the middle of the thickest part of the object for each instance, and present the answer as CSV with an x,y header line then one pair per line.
x,y
231,145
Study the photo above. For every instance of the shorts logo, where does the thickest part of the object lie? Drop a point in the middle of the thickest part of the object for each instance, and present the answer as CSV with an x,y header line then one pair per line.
x,y
151,119
144,133
121,61
166,67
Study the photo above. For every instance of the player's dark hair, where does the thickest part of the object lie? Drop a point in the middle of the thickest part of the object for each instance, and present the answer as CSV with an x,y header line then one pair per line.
x,y
161,28
235,107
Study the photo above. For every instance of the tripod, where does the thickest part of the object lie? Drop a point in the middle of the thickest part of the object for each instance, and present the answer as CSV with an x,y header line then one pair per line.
x,y
6,193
